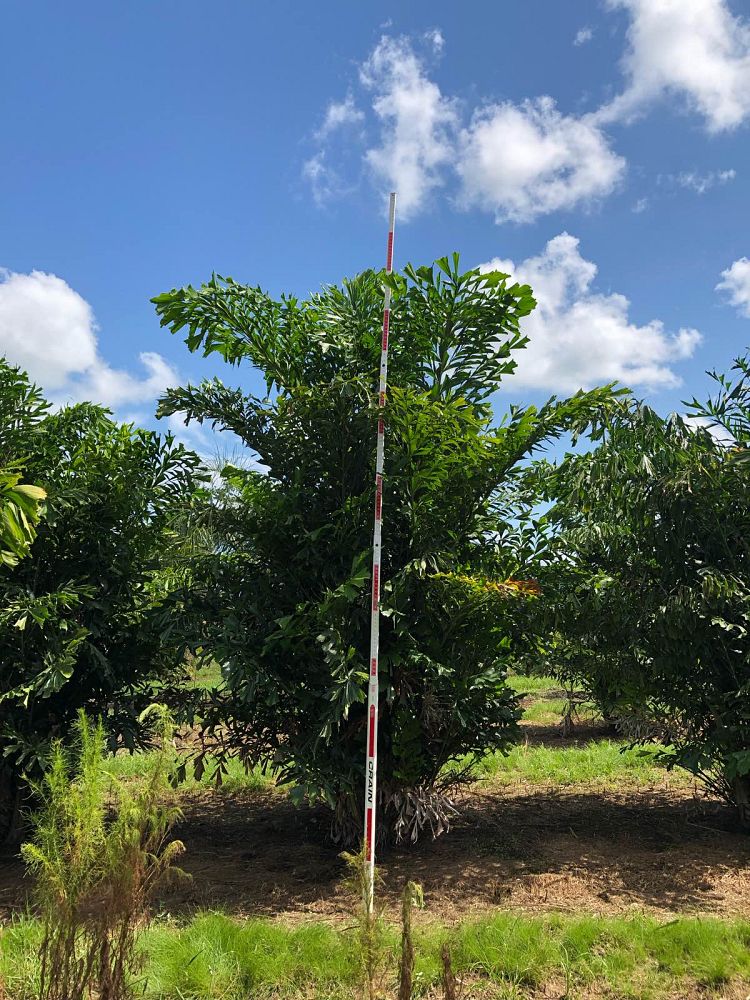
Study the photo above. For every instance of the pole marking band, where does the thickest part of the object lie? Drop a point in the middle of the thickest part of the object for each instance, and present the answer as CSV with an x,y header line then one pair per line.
x,y
378,498
369,853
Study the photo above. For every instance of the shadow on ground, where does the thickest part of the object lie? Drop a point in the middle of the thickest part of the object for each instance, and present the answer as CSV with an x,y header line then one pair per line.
x,y
539,849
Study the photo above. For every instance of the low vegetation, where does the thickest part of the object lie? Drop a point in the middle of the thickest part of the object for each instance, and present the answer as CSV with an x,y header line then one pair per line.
x,y
100,851
214,957
599,762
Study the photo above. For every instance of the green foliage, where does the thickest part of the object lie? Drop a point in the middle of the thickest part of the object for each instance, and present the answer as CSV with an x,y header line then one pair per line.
x,y
20,510
727,414
653,601
95,875
21,505
87,619
285,584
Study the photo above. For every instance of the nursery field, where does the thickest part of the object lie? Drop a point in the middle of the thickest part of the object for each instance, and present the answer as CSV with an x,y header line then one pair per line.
x,y
574,868
577,864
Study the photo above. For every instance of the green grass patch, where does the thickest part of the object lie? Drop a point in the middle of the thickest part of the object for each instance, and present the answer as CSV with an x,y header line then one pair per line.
x,y
217,958
599,762
206,677
549,711
236,779
545,709
533,684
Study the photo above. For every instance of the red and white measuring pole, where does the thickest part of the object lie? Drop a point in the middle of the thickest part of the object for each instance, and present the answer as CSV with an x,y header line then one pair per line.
x,y
371,769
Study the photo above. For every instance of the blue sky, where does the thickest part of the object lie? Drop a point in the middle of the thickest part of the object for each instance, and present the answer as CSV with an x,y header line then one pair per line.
x,y
598,149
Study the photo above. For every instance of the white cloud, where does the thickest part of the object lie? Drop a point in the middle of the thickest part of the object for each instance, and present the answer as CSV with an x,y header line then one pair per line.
x,y
327,182
518,161
193,435
580,337
640,206
50,331
700,183
323,181
435,39
417,123
695,49
736,283
523,161
340,114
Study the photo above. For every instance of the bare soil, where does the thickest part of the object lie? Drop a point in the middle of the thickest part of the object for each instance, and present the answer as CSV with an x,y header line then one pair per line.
x,y
538,849
582,849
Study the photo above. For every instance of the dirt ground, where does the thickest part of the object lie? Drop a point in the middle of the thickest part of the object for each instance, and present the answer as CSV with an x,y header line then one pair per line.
x,y
583,849
541,849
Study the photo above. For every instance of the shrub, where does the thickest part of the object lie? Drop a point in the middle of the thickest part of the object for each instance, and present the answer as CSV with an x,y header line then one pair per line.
x,y
286,582
87,618
654,581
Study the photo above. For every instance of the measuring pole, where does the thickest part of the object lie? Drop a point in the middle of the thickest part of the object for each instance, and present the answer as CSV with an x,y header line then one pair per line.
x,y
371,770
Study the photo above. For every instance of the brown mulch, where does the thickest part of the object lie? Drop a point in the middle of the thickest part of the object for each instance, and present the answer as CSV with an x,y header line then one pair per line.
x,y
539,849
602,850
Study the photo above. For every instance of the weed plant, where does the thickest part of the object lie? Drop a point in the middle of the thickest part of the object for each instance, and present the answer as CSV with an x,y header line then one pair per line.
x,y
101,847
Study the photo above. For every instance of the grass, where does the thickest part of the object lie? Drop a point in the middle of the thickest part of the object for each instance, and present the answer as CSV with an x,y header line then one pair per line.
x,y
533,684
217,958
545,710
206,677
549,712
235,780
603,762
508,955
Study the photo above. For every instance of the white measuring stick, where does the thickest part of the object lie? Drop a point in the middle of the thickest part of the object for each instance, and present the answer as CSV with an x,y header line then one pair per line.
x,y
371,769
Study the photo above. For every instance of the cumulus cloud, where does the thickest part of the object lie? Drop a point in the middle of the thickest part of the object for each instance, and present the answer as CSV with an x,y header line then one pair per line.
x,y
416,123
580,337
523,161
50,331
696,50
735,281
518,161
